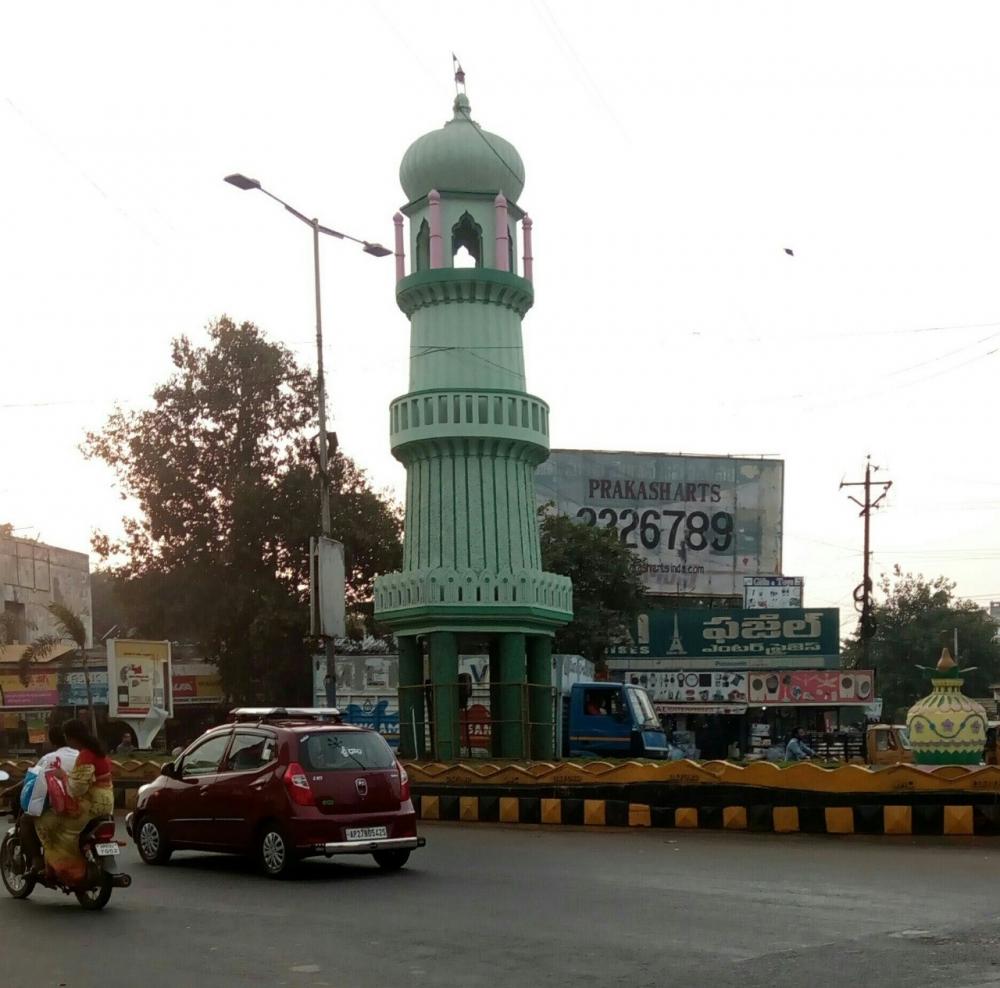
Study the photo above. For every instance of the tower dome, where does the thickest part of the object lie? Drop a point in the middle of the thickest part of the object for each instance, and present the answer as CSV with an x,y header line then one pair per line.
x,y
461,157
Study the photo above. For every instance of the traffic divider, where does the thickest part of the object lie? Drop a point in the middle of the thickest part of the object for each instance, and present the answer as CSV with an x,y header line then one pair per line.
x,y
756,814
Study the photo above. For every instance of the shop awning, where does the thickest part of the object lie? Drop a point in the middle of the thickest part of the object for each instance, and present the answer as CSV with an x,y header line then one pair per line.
x,y
818,705
701,708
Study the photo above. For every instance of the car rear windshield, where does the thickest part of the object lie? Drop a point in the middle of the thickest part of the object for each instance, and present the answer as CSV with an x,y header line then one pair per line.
x,y
331,751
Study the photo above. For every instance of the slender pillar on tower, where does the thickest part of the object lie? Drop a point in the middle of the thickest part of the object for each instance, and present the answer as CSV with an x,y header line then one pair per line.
x,y
411,698
541,697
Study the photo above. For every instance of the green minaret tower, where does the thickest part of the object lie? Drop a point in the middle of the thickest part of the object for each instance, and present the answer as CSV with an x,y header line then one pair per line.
x,y
470,437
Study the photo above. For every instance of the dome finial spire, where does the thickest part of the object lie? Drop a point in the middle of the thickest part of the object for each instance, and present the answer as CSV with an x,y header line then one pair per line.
x,y
461,106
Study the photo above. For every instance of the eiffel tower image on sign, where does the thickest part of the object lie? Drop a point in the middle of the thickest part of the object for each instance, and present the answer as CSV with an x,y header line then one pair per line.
x,y
676,645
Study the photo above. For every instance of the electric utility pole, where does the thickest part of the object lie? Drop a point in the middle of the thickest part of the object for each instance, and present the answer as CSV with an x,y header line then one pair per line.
x,y
863,592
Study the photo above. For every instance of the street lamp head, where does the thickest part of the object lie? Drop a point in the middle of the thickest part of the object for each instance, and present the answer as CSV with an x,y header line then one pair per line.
x,y
242,182
376,250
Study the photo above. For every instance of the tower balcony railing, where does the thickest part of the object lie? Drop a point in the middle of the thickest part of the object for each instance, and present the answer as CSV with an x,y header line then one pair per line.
x,y
429,587
440,285
484,413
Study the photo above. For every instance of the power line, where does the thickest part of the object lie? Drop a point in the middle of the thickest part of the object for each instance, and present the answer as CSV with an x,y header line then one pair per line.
x,y
944,356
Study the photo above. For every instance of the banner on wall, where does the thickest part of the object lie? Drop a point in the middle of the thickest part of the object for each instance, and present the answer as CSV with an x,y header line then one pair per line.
x,y
803,687
767,592
41,690
190,690
691,687
73,688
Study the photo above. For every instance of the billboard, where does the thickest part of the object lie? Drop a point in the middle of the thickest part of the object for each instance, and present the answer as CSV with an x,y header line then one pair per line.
x,y
700,523
767,592
138,678
725,638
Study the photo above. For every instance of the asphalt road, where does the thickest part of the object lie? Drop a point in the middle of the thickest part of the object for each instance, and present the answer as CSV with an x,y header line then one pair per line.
x,y
488,905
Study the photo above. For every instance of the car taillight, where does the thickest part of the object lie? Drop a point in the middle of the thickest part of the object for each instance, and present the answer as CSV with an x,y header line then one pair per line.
x,y
104,832
298,785
404,784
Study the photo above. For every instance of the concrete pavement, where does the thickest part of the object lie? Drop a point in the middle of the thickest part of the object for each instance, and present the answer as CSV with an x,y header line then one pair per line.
x,y
489,905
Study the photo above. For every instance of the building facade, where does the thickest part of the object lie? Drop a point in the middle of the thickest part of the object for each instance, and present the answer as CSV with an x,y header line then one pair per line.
x,y
34,575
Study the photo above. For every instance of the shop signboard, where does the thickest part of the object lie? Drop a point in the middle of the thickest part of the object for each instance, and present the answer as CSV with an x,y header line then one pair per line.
x,y
803,687
189,690
41,690
692,639
73,688
139,677
679,686
768,592
699,523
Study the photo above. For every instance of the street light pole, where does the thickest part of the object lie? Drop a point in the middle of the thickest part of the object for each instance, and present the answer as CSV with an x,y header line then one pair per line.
x,y
326,522
324,455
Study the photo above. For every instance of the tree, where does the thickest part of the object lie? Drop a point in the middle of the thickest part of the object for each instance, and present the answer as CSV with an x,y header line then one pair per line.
x,y
224,473
69,626
607,583
914,621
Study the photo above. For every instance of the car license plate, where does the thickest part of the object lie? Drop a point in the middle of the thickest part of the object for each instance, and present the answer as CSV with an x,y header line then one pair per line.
x,y
107,850
367,833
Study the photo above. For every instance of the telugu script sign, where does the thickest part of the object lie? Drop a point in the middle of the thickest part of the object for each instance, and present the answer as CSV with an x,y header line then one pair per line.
x,y
700,523
730,638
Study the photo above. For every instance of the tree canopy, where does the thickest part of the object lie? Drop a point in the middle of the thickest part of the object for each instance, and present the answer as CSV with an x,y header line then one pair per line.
x,y
916,618
607,584
224,473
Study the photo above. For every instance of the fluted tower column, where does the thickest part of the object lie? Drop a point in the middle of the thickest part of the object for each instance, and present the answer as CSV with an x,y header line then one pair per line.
x,y
470,436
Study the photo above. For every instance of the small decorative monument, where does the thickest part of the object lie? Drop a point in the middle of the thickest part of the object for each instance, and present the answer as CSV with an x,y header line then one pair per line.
x,y
946,727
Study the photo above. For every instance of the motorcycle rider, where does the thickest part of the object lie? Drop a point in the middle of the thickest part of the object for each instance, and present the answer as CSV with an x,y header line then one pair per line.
x,y
61,756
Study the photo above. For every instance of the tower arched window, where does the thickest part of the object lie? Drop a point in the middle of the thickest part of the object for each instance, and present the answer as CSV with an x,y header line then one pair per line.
x,y
467,233
423,254
510,251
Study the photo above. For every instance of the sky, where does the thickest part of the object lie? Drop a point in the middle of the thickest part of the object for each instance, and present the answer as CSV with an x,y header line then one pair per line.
x,y
672,152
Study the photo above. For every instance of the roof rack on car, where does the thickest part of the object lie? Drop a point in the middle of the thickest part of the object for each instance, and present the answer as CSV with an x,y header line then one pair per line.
x,y
285,713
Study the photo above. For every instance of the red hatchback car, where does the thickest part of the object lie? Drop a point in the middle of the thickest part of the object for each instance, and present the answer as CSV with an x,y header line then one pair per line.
x,y
280,785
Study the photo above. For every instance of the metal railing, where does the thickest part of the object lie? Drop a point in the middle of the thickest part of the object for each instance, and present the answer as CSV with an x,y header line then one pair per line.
x,y
479,728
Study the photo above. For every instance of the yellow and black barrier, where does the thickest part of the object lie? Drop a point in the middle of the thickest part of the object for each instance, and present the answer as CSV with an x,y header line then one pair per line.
x,y
952,819
762,798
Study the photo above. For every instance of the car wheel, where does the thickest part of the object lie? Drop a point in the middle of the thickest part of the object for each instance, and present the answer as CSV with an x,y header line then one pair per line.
x,y
152,845
391,860
275,856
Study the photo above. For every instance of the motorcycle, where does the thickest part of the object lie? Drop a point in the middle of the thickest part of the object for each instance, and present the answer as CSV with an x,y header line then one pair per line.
x,y
98,847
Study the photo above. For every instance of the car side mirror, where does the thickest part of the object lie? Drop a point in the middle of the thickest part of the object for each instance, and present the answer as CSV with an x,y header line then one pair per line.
x,y
169,770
